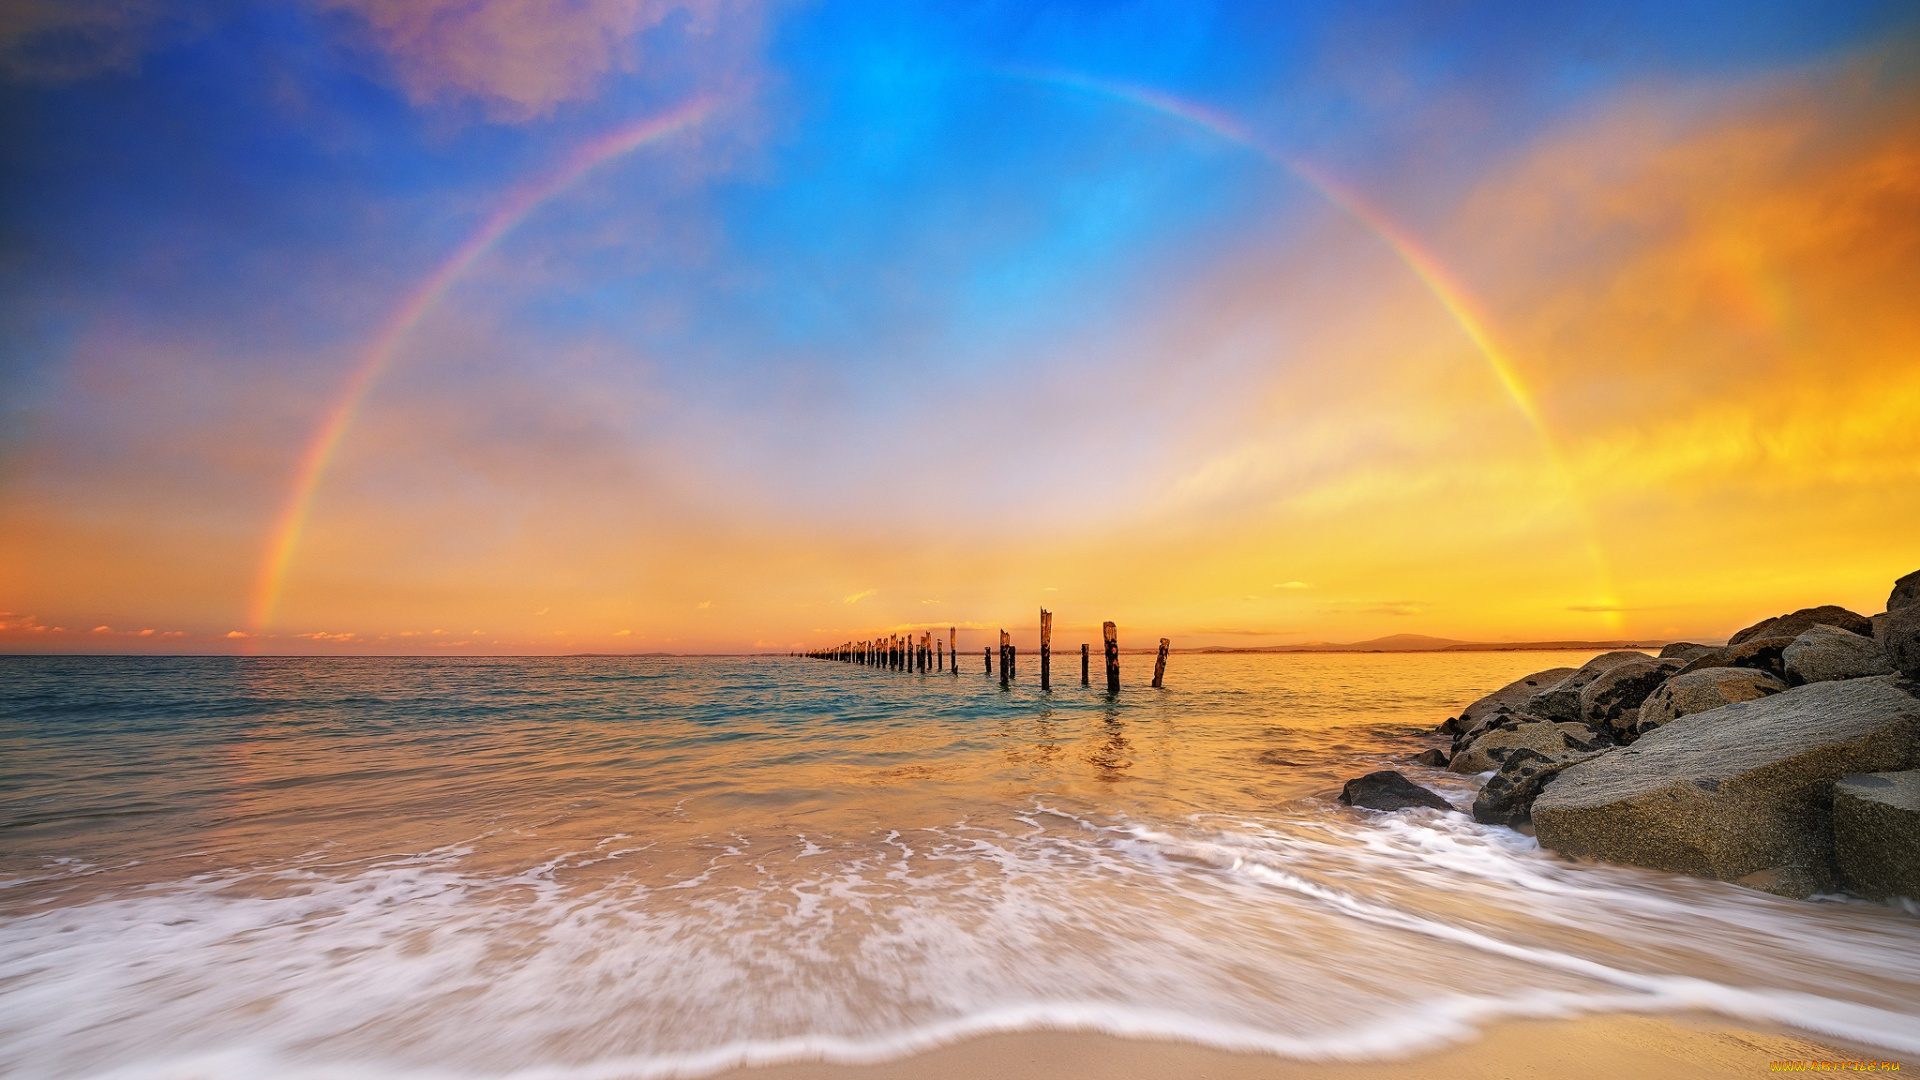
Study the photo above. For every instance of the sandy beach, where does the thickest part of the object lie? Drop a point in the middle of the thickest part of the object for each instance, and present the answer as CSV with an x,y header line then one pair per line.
x,y
1600,1048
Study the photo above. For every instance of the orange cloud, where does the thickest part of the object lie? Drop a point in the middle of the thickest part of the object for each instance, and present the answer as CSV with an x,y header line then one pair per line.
x,y
522,57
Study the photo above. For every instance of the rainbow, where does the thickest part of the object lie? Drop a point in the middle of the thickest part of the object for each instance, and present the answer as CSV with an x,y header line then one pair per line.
x,y
320,449
1423,263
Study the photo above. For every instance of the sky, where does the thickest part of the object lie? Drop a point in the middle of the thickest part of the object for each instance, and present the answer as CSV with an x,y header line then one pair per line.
x,y
607,326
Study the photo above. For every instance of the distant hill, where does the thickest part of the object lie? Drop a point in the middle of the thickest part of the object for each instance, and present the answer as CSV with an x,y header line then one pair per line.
x,y
1424,643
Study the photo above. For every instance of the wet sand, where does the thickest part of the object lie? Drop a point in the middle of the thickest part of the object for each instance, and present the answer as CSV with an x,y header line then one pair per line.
x,y
1600,1048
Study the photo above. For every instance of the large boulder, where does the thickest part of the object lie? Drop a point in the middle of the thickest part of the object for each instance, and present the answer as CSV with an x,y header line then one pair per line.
x,y
1683,650
1508,795
1826,653
1741,793
1490,749
1509,699
1700,691
1758,654
1876,833
1613,700
1794,624
1388,790
1901,631
1561,701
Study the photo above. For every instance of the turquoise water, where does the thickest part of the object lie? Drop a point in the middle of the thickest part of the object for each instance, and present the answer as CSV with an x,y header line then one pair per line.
x,y
602,867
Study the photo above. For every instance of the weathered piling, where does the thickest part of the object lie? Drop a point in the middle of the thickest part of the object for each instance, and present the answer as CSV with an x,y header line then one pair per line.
x,y
953,647
1046,650
1006,658
1160,664
1111,637
939,655
986,656
1083,663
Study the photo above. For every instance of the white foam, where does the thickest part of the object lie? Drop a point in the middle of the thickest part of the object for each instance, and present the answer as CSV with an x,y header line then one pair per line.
x,y
1315,938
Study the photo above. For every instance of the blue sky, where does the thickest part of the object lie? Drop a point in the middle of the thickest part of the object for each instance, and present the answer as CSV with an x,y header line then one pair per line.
x,y
897,209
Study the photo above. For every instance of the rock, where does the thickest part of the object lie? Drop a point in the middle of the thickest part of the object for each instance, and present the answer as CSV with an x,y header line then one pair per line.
x,y
1879,628
1434,758
1684,650
1759,654
1902,628
1876,833
1826,653
1699,691
1799,622
1388,790
1500,739
1740,793
1508,699
1508,797
1561,701
1613,700
1906,592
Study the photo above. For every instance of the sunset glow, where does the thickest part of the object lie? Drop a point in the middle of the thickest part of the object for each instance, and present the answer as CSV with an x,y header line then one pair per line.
x,y
761,330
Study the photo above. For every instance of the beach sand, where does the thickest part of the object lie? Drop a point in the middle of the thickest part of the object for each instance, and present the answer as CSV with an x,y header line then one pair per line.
x,y
1600,1048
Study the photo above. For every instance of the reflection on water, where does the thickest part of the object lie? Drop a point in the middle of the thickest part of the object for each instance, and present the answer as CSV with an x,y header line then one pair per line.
x,y
244,867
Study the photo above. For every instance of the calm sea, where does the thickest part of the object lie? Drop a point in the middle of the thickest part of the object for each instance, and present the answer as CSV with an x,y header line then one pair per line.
x,y
600,868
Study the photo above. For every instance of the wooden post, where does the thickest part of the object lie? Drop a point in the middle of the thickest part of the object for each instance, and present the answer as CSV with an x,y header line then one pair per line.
x,y
1160,664
1046,650
939,655
986,656
953,647
926,650
1083,663
1112,638
1005,674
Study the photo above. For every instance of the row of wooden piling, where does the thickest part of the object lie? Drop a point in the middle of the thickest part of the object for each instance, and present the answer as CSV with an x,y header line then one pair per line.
x,y
903,652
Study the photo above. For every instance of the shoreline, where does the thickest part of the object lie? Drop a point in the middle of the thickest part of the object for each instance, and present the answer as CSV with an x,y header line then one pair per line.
x,y
1596,1047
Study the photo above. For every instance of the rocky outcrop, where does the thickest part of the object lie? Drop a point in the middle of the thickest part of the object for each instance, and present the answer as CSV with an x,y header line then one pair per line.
x,y
1826,653
1758,654
1388,790
1700,691
1559,741
1740,793
1561,701
1799,622
1507,700
1901,631
1876,833
1508,797
1613,700
1436,759
1684,651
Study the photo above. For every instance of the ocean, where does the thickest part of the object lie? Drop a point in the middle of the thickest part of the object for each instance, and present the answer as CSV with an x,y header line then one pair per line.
x,y
584,868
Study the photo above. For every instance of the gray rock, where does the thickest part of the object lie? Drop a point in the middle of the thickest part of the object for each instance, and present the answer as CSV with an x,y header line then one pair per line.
x,y
1613,700
1876,833
1506,700
1826,653
1388,790
1794,624
1758,654
1902,628
1700,691
1684,650
1559,741
1432,758
1906,592
1561,701
1508,797
1741,793
1879,628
